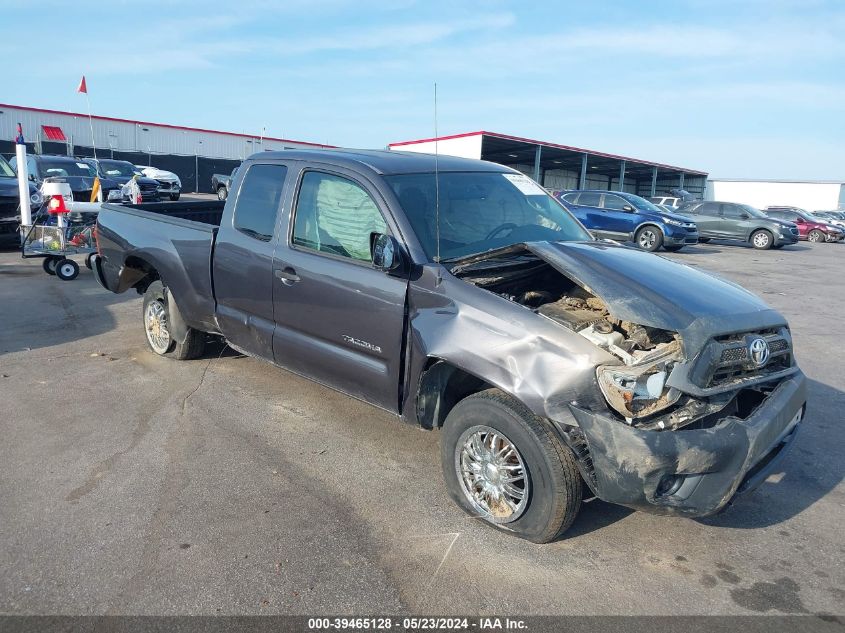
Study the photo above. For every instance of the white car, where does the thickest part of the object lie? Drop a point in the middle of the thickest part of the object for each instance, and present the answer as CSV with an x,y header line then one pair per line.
x,y
168,182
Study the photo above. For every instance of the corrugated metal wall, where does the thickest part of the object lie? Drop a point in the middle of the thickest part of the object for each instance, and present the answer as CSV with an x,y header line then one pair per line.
x,y
131,136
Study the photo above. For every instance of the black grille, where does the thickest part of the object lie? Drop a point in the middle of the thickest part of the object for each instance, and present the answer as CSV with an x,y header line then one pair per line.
x,y
82,196
734,363
734,355
8,206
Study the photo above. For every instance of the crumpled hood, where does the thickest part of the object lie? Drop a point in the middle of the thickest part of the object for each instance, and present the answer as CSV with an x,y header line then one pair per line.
x,y
651,290
160,174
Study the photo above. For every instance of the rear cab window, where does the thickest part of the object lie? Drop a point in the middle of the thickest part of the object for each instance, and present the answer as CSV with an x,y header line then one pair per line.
x,y
259,197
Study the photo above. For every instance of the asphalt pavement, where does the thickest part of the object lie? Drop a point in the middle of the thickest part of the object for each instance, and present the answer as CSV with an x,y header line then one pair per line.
x,y
134,484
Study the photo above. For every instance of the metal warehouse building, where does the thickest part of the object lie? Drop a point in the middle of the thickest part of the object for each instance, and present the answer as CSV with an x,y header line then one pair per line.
x,y
192,153
813,195
559,167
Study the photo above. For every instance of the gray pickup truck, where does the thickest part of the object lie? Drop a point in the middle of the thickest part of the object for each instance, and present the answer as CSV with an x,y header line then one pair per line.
x,y
458,295
221,183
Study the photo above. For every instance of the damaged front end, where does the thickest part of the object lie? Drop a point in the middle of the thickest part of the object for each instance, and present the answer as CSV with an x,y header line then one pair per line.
x,y
689,415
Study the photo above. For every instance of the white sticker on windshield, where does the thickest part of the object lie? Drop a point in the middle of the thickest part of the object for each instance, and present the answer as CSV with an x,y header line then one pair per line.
x,y
82,165
525,184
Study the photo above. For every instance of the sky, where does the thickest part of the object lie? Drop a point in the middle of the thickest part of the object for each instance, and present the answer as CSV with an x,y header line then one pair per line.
x,y
751,89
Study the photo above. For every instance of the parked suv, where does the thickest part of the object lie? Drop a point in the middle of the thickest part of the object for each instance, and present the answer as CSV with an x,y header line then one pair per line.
x,y
10,204
809,228
623,216
733,221
116,173
836,218
74,171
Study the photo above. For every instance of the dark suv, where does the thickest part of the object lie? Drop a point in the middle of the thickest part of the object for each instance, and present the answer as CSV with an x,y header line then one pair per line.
x,y
733,221
618,215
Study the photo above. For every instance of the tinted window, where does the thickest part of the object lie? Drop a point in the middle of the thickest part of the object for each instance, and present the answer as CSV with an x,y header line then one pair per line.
x,y
708,208
614,203
589,199
336,215
258,201
731,211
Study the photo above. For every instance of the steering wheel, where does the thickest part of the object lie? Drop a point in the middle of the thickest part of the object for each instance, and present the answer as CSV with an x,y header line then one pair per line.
x,y
502,227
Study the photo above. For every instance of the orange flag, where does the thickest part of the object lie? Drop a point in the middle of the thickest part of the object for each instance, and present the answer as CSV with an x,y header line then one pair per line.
x,y
82,86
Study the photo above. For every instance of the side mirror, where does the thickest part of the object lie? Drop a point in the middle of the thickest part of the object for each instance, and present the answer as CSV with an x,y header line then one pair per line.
x,y
385,252
628,208
744,216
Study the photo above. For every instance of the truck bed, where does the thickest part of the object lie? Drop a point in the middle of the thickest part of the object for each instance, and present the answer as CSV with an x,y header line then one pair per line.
x,y
207,212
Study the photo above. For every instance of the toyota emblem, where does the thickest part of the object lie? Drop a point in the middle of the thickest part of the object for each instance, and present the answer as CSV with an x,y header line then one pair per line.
x,y
758,349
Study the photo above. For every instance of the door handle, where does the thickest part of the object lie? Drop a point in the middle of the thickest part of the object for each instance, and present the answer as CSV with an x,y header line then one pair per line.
x,y
287,275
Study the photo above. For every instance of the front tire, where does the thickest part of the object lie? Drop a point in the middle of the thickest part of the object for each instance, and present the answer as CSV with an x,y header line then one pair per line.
x,y
222,193
174,197
762,240
156,317
649,238
505,465
816,236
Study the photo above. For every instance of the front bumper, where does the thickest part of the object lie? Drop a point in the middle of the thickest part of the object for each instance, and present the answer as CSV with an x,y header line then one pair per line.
x,y
786,239
680,236
693,472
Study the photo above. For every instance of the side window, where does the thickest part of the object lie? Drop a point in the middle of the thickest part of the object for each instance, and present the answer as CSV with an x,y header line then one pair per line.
x,y
13,163
731,211
31,167
692,209
709,208
589,199
258,201
614,203
336,215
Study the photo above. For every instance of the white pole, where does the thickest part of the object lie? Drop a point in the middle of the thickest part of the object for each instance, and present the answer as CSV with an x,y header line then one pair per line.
x,y
91,124
23,182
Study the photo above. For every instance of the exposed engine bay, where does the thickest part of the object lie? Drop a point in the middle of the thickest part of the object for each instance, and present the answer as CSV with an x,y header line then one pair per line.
x,y
636,390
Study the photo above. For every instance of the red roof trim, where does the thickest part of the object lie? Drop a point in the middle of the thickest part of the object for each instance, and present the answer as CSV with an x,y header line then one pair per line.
x,y
167,125
555,145
53,132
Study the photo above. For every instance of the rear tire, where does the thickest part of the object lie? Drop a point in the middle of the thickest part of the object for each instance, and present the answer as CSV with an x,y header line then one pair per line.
x,y
816,236
88,263
156,319
67,270
762,240
489,436
649,238
49,264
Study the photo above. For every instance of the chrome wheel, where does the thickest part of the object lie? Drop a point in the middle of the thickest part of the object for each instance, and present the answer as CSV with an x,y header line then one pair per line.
x,y
155,324
648,239
815,236
492,474
761,240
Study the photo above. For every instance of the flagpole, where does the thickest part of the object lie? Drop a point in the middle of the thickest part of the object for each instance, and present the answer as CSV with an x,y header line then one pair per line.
x,y
91,123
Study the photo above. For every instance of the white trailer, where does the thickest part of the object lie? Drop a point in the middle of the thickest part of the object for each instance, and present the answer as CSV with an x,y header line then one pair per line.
x,y
813,195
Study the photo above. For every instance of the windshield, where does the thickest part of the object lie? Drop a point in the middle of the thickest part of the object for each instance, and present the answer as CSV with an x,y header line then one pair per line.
x,y
481,211
643,205
64,168
117,168
753,212
6,169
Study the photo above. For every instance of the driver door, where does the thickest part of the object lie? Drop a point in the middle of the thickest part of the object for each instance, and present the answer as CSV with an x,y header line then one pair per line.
x,y
338,320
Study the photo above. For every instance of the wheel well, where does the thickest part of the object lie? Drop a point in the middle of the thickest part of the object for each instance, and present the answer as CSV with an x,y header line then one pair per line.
x,y
442,386
644,225
761,228
143,273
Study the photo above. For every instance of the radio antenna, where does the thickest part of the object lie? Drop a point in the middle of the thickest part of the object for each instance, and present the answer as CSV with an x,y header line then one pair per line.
x,y
436,183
